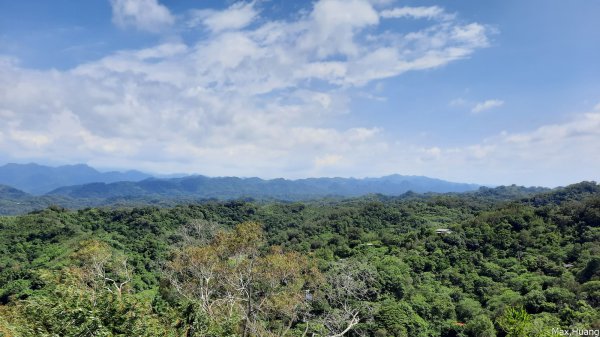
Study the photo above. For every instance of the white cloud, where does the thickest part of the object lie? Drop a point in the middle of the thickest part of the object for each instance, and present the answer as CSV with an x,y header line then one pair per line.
x,y
242,101
487,105
432,12
472,34
237,16
333,26
586,125
147,15
549,155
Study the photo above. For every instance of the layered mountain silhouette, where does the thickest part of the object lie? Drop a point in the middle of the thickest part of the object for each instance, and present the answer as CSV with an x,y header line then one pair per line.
x,y
282,189
39,179
27,187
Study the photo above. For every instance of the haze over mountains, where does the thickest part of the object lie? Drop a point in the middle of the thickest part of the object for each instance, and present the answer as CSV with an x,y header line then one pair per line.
x,y
82,181
31,186
282,189
39,179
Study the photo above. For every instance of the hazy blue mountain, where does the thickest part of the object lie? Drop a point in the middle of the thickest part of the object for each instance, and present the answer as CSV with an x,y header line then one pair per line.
x,y
171,192
39,179
14,201
202,187
7,192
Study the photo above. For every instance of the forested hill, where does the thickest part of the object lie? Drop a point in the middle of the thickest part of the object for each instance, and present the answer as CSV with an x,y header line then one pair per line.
x,y
472,264
281,189
39,179
186,190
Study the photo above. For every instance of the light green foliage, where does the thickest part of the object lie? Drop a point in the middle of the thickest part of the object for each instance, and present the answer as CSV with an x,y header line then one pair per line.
x,y
399,319
75,312
516,322
542,325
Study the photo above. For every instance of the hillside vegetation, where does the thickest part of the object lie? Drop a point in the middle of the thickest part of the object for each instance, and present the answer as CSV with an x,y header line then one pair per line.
x,y
506,262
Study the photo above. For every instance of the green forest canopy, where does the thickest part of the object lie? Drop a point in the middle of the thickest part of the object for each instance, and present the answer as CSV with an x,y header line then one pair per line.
x,y
373,266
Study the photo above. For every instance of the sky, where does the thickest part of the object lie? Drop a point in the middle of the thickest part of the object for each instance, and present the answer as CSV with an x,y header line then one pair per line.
x,y
489,92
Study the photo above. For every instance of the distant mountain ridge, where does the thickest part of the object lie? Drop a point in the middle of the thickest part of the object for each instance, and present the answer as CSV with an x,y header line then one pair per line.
x,y
171,192
13,201
39,179
27,187
281,189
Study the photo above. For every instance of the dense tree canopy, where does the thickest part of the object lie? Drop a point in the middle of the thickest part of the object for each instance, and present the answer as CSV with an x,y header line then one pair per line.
x,y
505,265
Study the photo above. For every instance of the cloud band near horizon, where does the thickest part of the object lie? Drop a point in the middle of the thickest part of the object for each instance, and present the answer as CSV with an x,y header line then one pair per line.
x,y
256,96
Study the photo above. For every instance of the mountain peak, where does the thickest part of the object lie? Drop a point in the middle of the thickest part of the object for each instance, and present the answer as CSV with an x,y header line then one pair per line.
x,y
39,179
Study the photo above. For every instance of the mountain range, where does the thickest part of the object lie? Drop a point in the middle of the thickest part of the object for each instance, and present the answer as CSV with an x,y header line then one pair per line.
x,y
32,186
282,189
39,179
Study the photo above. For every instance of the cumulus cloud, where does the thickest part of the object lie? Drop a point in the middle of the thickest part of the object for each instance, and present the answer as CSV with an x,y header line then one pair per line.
x,y
333,26
487,105
237,16
256,97
147,15
549,155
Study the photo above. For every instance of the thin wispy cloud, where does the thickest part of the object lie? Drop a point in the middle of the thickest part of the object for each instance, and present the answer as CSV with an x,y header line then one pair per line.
x,y
237,16
458,102
487,105
421,12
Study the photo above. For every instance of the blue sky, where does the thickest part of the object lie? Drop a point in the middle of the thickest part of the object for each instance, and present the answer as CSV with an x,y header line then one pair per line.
x,y
491,92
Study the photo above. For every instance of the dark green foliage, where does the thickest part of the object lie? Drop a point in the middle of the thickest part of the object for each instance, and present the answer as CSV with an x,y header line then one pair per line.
x,y
280,189
399,319
505,267
480,326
